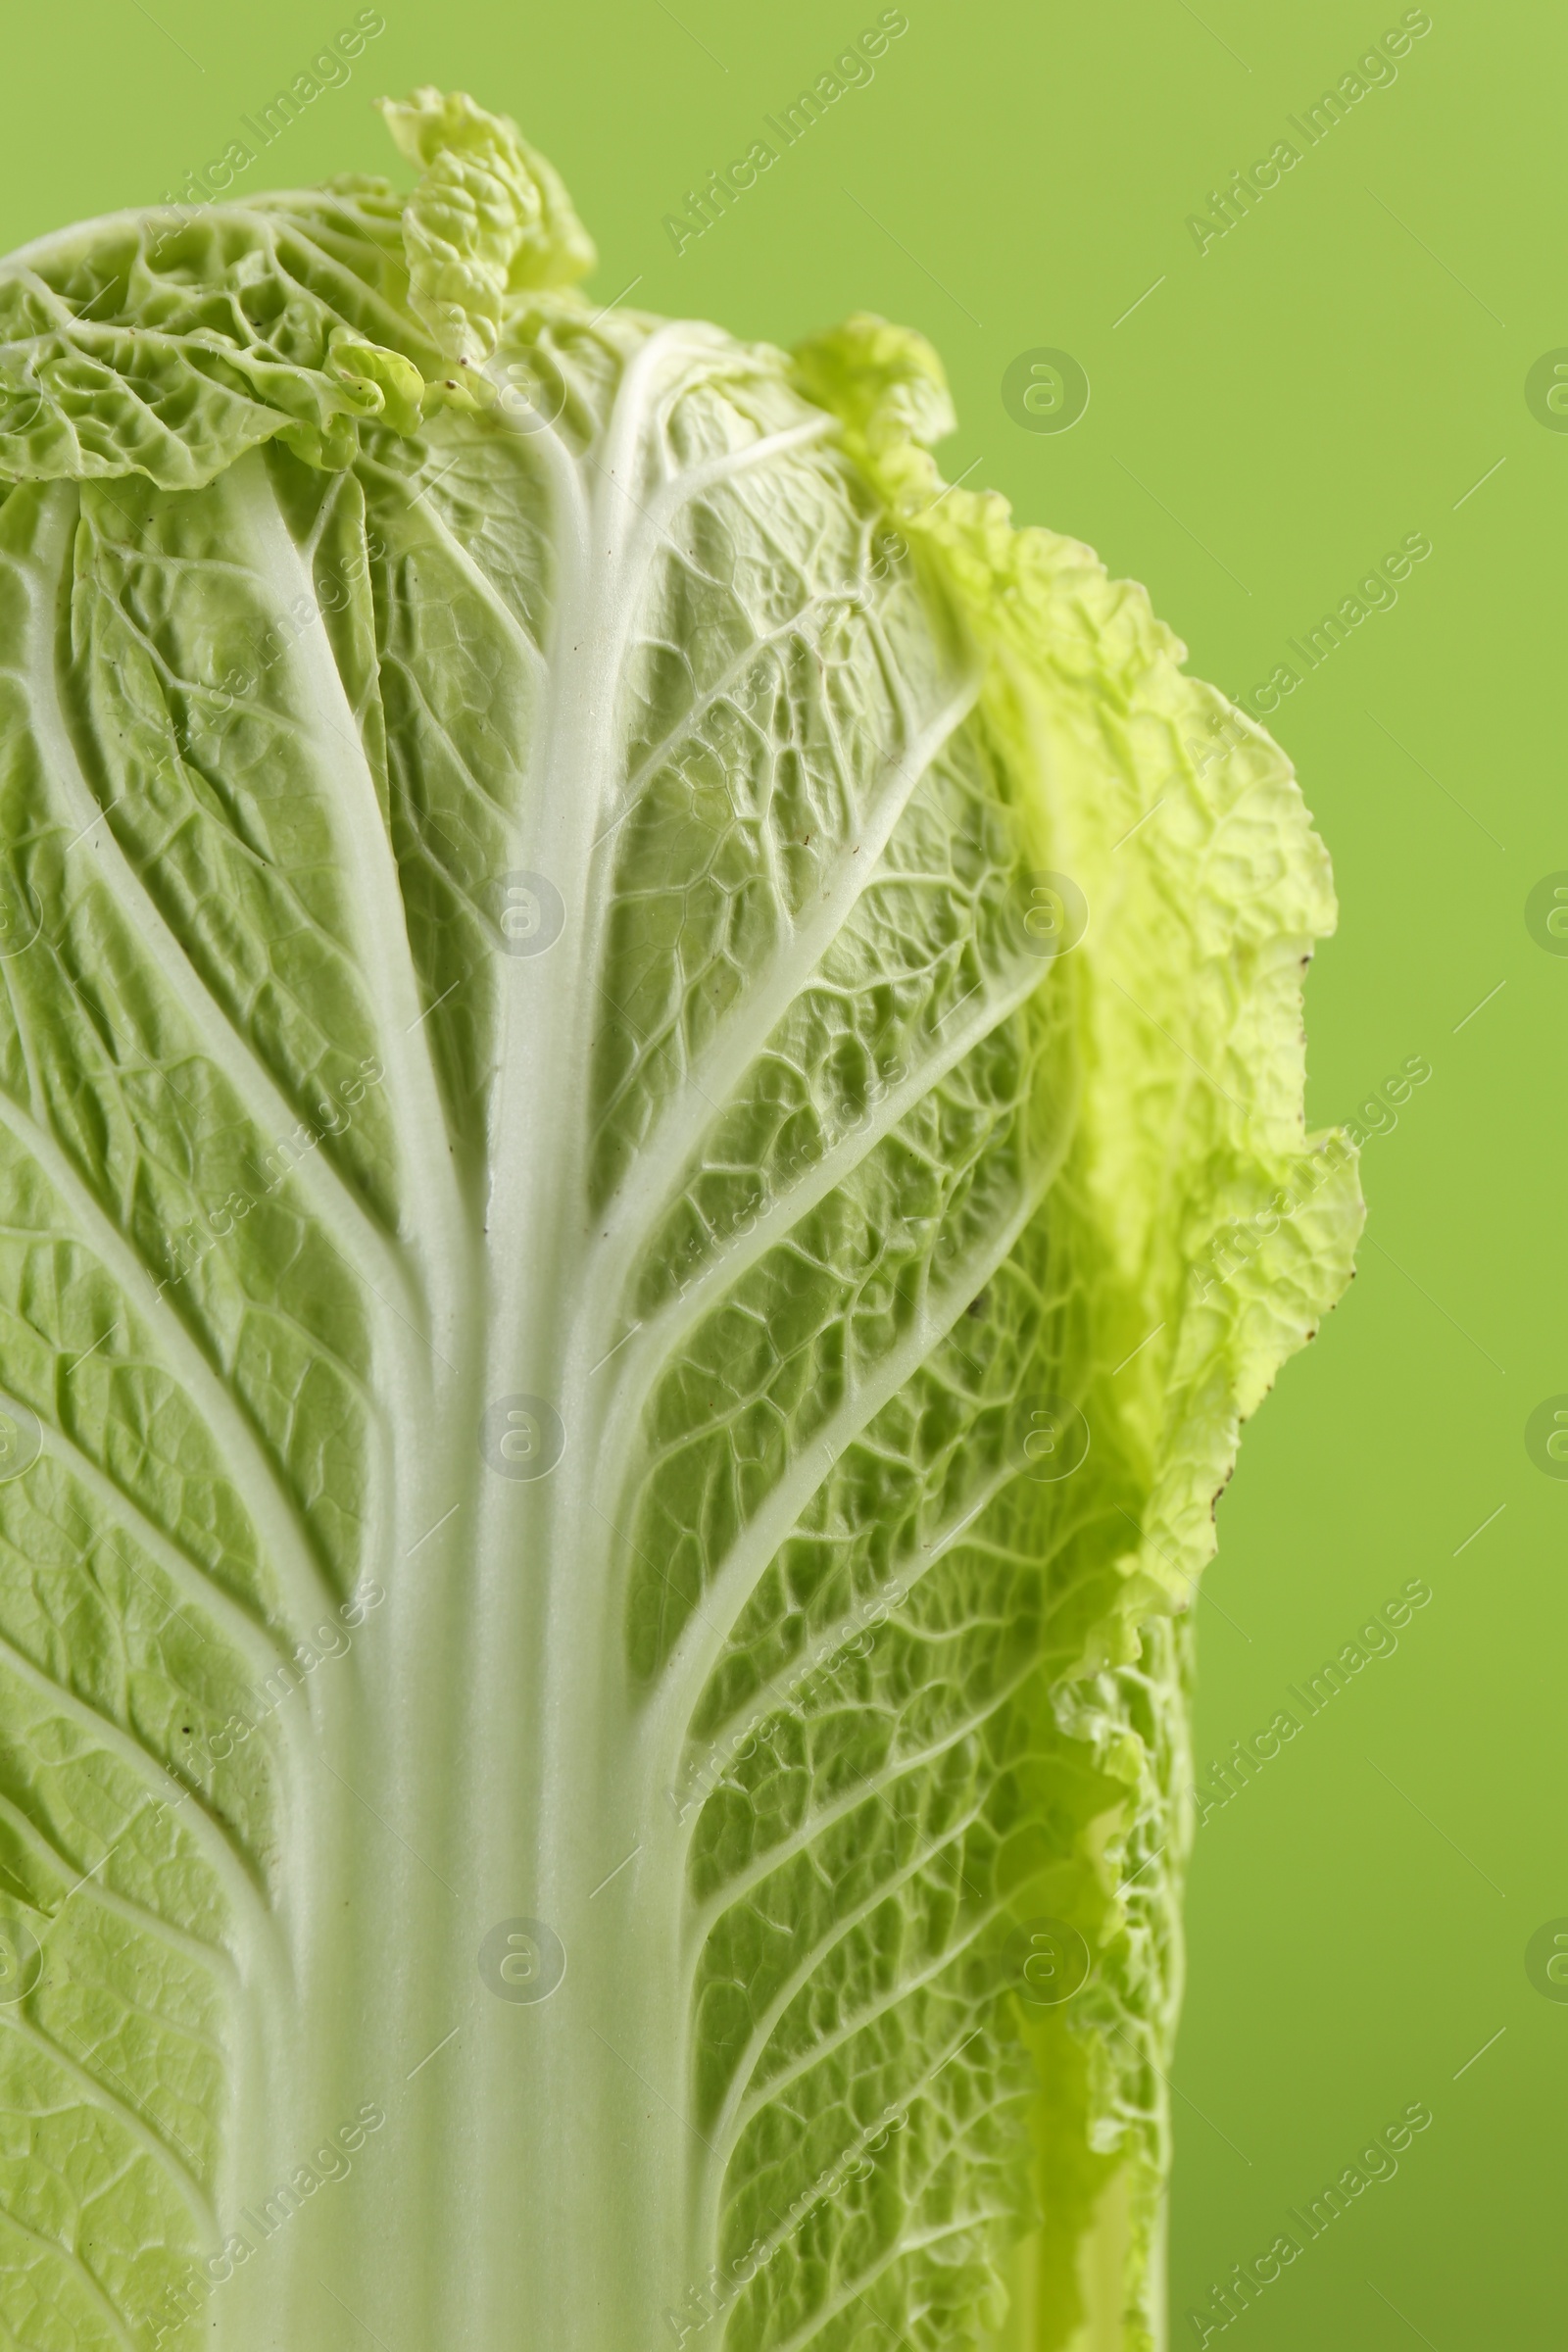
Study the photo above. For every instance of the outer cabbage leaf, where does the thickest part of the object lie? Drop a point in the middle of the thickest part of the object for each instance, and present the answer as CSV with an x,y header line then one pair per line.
x,y
618,1350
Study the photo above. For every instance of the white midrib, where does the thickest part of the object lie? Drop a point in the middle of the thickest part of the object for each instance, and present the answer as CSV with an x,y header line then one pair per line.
x,y
553,2149
561,2109
597,2121
605,2086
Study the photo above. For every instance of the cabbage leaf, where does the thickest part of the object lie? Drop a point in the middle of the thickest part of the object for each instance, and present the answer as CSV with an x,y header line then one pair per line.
x,y
650,1145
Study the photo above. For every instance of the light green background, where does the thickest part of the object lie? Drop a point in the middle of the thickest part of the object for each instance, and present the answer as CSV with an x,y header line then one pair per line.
x,y
1279,412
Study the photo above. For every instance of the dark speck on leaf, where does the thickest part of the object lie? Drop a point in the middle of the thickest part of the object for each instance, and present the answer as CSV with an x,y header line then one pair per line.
x,y
978,1305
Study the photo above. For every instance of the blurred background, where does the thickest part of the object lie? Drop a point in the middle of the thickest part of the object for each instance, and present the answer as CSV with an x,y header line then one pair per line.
x,y
1256,397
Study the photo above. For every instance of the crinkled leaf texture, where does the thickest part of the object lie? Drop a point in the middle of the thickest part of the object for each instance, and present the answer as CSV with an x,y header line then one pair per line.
x,y
569,1210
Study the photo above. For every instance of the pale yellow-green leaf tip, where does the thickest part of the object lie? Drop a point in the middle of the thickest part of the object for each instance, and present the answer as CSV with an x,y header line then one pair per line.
x,y
489,218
